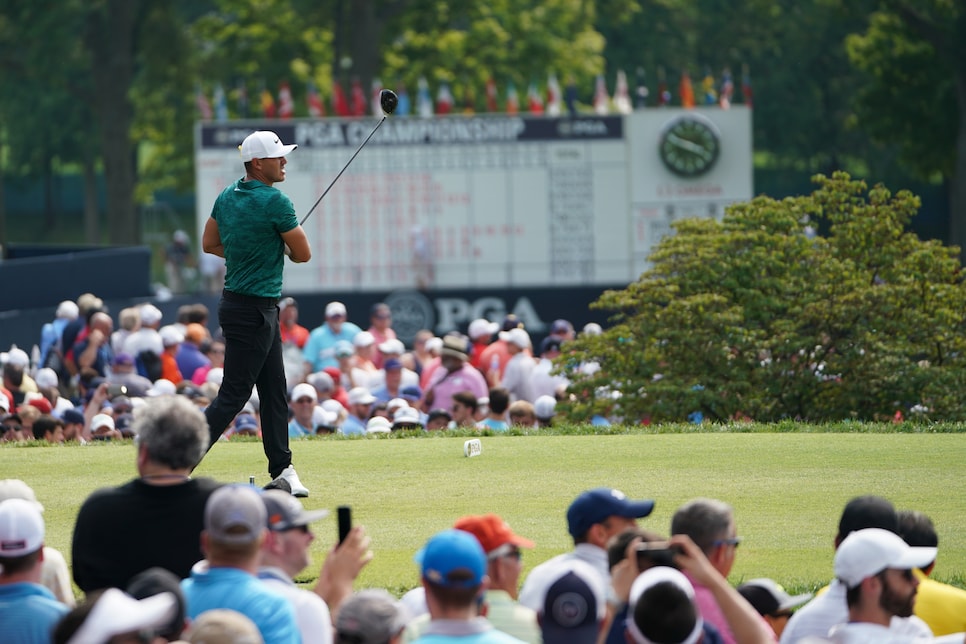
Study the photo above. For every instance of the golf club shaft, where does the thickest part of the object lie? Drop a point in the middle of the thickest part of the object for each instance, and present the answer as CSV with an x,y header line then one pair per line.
x,y
319,200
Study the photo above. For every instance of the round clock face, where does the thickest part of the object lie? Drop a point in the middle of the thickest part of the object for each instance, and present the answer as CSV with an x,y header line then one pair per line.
x,y
689,145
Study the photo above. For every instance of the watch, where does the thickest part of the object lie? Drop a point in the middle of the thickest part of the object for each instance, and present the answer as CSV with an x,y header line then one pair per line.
x,y
689,145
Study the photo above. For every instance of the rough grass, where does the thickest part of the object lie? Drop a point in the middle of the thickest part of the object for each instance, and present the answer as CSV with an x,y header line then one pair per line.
x,y
788,484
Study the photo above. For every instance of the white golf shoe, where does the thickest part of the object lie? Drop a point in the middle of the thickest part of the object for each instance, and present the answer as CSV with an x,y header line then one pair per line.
x,y
289,476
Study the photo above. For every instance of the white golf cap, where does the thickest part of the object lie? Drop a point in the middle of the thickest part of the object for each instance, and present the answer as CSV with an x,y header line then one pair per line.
x,y
481,327
115,612
263,144
304,390
865,553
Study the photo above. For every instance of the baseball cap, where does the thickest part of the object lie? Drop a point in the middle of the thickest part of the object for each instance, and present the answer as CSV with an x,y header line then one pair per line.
x,y
155,581
560,327
517,337
303,390
170,335
393,346
511,322
102,420
321,381
370,616
570,597
46,377
412,393
491,531
363,339
286,302
17,356
769,598
150,314
550,343
245,423
123,359
480,328
67,310
378,425
454,559
263,144
869,551
593,506
648,580
406,416
164,387
235,514
17,489
333,309
361,396
343,349
72,416
21,528
544,407
868,512
38,401
391,364
286,512
115,612
223,626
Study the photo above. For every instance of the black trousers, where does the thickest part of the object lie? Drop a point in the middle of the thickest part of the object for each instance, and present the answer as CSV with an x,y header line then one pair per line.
x,y
253,356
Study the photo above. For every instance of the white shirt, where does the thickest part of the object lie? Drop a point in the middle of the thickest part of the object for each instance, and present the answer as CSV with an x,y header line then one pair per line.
x,y
311,612
517,377
543,383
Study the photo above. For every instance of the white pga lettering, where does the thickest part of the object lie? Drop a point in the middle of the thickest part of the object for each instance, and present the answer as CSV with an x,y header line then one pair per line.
x,y
454,312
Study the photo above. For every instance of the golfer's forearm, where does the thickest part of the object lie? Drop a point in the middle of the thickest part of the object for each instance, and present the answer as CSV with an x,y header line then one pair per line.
x,y
218,250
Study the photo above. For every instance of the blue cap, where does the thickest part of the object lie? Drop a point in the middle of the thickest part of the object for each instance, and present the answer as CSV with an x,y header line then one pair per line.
x,y
594,506
411,393
454,559
72,416
392,363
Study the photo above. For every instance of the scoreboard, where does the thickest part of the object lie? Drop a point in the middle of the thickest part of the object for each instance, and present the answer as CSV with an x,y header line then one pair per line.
x,y
491,201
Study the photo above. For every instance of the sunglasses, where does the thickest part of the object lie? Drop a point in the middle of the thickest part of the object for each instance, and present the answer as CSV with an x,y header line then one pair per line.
x,y
733,541
304,400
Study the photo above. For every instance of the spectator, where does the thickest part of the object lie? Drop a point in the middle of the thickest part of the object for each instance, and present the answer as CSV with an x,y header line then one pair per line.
x,y
214,350
110,616
73,426
454,375
103,428
28,610
481,333
94,349
303,401
123,373
380,326
145,345
360,405
155,581
51,349
155,519
12,428
407,418
54,574
234,529
592,519
518,372
128,321
392,381
87,304
189,357
371,616
544,383
545,408
521,414
438,419
172,339
941,606
362,362
288,323
453,574
49,429
494,358
463,409
223,626
562,330
570,600
875,566
285,554
497,403
772,602
417,359
177,262
827,609
318,351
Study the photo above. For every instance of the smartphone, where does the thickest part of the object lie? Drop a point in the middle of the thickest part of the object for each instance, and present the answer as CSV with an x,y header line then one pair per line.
x,y
345,521
113,391
658,553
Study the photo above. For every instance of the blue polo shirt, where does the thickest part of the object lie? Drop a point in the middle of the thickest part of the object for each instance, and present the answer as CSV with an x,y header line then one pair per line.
x,y
28,613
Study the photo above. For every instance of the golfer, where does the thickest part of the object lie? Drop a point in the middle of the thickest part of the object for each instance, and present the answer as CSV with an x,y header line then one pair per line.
x,y
253,226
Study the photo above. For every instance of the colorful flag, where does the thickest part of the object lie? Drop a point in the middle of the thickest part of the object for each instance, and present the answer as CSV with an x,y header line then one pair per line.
x,y
424,104
570,97
268,103
622,95
359,102
444,99
340,106
314,101
663,93
707,86
221,104
686,90
601,98
286,107
512,102
375,90
534,100
404,106
727,89
746,95
641,92
491,95
204,107
554,97
242,95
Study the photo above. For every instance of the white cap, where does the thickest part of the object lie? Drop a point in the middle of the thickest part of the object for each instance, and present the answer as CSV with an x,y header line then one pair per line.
x,y
162,387
333,406
101,420
264,145
396,403
322,416
517,337
215,375
17,356
321,381
17,489
361,396
46,377
67,310
592,328
393,346
434,345
21,528
534,592
544,407
302,390
171,335
150,314
363,339
407,415
481,328
378,425
865,553
116,612
647,580
335,308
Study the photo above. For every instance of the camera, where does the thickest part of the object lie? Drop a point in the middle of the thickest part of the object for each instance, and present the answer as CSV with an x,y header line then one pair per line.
x,y
113,391
656,554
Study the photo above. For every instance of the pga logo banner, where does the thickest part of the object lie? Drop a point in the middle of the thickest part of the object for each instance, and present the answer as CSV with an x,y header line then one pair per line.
x,y
472,447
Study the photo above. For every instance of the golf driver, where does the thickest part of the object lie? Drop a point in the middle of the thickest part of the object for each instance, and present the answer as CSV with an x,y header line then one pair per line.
x,y
387,102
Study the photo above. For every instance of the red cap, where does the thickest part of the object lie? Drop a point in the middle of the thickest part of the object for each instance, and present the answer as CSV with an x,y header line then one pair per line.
x,y
491,531
335,374
40,403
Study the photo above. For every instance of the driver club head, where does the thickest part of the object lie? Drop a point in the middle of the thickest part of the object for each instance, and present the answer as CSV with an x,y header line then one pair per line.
x,y
388,101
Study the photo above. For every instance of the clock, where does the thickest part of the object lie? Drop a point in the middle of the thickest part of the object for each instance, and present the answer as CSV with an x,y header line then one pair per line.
x,y
689,145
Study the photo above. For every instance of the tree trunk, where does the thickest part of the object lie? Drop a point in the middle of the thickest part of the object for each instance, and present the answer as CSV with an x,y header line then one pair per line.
x,y
90,202
957,187
111,27
364,43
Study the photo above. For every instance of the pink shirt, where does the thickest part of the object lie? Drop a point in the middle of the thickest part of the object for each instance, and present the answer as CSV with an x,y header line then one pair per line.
x,y
466,379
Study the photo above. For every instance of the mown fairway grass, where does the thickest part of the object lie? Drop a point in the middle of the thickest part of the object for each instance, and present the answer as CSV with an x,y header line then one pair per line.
x,y
787,488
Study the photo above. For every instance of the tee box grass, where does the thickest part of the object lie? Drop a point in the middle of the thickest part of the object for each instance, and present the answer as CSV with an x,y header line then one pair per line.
x,y
787,489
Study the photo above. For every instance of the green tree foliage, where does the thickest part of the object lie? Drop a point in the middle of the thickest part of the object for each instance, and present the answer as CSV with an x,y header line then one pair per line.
x,y
758,316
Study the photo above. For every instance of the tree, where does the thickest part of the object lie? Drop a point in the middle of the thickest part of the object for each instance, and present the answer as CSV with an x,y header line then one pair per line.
x,y
758,316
